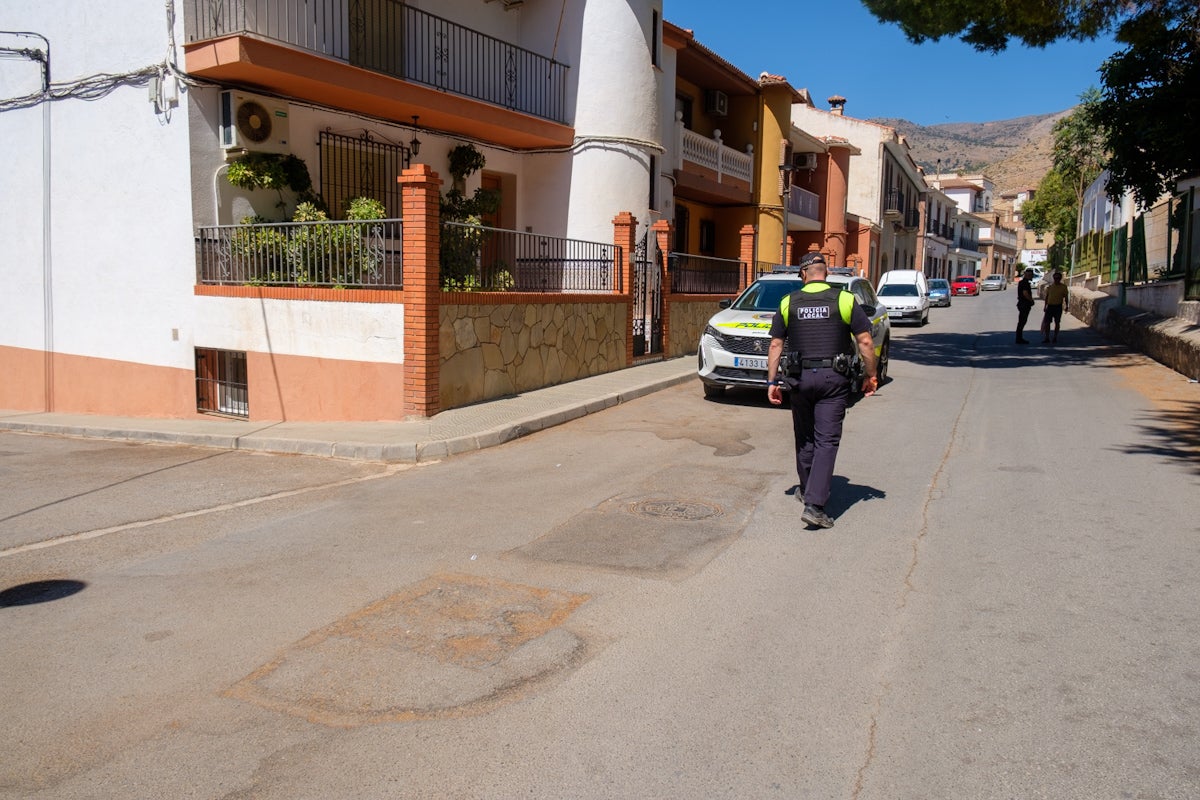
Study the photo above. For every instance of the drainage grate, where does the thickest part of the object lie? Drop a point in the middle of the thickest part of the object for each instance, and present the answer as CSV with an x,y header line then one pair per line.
x,y
676,509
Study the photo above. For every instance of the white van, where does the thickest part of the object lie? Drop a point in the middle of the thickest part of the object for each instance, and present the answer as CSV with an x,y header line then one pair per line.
x,y
905,295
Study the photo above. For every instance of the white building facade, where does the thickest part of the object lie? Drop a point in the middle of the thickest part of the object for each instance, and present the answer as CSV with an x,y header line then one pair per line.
x,y
113,179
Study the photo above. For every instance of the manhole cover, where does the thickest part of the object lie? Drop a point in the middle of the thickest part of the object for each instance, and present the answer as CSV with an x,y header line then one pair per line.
x,y
675,509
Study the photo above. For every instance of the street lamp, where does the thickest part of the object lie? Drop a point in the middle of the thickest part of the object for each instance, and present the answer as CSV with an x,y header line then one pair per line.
x,y
415,144
785,175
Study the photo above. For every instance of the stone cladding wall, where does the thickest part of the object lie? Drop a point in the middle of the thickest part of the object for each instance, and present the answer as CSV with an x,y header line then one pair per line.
x,y
491,350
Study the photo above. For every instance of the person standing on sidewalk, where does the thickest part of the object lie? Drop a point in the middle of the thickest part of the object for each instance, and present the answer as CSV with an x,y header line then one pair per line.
x,y
821,326
1024,304
1056,303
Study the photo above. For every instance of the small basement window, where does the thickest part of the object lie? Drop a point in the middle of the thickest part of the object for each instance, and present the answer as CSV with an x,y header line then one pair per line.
x,y
221,382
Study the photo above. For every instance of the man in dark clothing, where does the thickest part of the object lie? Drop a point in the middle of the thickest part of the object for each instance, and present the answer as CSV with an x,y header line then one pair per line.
x,y
821,327
1024,304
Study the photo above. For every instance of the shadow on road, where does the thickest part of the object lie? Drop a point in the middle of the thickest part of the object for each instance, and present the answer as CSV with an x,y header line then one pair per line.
x,y
998,350
28,594
1170,433
846,494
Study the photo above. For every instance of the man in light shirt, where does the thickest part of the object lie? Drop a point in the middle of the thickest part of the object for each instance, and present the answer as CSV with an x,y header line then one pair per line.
x,y
1056,303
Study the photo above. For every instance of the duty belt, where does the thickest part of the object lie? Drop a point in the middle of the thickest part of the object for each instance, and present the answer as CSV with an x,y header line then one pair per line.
x,y
815,363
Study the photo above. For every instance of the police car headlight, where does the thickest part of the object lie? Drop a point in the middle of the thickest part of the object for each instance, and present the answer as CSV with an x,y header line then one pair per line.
x,y
709,330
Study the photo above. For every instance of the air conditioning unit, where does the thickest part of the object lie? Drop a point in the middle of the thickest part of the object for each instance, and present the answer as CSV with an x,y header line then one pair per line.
x,y
253,123
804,160
716,102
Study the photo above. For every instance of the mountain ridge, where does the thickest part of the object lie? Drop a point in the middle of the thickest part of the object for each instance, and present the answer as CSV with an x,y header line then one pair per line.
x,y
1015,153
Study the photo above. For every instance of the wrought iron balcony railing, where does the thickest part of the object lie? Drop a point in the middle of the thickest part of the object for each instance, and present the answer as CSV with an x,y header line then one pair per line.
x,y
355,254
395,39
479,258
691,274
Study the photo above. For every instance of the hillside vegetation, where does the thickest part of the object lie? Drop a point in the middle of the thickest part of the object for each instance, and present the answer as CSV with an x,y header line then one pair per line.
x,y
1015,153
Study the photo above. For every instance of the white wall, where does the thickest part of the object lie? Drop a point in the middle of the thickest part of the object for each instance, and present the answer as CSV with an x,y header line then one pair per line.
x,y
616,117
863,196
121,250
340,331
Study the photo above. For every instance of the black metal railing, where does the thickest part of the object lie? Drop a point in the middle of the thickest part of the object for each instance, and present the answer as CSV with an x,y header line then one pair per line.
x,y
691,274
893,202
221,384
396,39
965,243
912,218
347,254
479,258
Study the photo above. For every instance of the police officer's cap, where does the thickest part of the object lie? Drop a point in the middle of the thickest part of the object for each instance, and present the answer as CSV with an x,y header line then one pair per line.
x,y
809,259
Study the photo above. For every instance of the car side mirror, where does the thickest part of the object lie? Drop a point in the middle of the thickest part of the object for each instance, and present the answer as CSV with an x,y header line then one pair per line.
x,y
726,303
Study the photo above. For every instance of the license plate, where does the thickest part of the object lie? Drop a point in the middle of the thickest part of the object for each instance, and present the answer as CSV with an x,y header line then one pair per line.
x,y
750,363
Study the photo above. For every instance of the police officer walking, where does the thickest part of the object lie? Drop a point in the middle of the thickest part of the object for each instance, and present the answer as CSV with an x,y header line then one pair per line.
x,y
819,327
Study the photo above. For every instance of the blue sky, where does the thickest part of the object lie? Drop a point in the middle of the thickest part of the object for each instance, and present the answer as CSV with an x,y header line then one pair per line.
x,y
838,47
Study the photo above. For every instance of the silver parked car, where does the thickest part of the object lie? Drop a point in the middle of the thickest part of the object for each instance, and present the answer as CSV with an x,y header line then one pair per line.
x,y
994,282
939,292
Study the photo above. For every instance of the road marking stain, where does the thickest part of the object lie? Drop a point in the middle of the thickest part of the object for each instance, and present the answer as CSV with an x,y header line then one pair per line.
x,y
452,645
81,536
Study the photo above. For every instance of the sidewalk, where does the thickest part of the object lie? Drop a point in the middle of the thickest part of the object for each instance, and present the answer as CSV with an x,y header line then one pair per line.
x,y
458,430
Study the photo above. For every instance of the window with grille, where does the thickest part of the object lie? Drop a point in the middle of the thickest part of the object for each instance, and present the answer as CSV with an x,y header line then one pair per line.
x,y
360,167
221,386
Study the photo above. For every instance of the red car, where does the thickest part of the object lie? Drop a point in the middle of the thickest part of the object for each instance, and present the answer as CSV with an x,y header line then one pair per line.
x,y
965,284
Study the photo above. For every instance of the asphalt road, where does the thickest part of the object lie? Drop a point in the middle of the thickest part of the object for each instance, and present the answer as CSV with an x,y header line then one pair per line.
x,y
627,606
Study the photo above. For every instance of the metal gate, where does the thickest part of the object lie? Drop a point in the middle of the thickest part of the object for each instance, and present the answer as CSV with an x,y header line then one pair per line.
x,y
647,297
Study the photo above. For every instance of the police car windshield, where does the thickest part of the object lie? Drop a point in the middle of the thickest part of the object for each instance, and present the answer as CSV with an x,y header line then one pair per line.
x,y
898,290
766,295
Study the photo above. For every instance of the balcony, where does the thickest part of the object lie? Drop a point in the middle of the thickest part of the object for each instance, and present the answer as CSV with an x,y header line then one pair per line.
x,y
710,171
329,254
893,204
965,243
386,59
803,210
1001,237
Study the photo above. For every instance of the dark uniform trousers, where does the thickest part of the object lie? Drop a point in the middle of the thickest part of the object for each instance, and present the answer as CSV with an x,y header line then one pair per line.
x,y
819,398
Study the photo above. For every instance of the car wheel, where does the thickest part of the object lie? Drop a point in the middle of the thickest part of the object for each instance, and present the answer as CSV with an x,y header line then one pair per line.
x,y
925,318
881,368
712,390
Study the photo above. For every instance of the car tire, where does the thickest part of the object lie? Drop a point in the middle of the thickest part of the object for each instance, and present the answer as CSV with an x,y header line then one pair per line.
x,y
713,391
881,369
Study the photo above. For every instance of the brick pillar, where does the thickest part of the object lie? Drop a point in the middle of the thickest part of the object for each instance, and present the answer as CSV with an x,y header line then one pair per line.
x,y
624,233
747,255
663,230
420,190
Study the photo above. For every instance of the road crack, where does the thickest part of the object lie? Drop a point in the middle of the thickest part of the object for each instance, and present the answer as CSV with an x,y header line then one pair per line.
x,y
907,588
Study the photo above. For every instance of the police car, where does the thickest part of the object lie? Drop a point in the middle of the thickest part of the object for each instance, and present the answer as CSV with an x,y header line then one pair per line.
x,y
733,348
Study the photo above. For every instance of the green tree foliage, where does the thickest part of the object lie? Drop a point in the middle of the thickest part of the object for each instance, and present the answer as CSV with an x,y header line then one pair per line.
x,y
1079,145
1053,207
1150,105
989,26
1150,110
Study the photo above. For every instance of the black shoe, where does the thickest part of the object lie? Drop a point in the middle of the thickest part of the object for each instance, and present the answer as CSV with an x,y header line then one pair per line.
x,y
816,516
1022,341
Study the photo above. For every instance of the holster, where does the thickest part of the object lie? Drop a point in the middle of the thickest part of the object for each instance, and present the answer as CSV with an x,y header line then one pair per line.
x,y
789,363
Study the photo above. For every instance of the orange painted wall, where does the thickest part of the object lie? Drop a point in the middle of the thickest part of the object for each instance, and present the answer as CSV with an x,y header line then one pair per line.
x,y
316,388
323,389
83,385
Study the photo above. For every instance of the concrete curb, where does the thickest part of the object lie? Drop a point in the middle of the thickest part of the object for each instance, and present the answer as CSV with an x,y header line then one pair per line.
x,y
456,431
